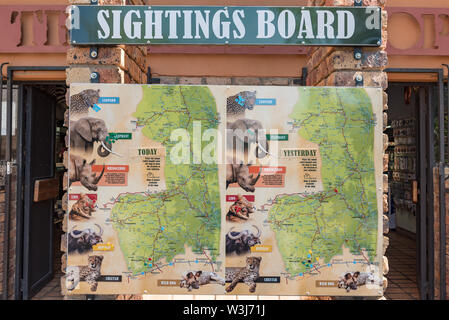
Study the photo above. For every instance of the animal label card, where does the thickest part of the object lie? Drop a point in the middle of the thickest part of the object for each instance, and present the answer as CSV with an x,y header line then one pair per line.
x,y
179,189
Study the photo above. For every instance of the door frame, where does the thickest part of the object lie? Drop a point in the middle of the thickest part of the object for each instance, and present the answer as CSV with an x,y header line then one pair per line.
x,y
31,106
426,258
18,280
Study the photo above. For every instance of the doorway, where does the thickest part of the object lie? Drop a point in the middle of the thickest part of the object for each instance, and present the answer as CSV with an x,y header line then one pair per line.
x,y
413,116
40,171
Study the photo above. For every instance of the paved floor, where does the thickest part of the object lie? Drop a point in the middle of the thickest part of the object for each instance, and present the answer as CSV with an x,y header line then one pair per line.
x,y
401,253
52,291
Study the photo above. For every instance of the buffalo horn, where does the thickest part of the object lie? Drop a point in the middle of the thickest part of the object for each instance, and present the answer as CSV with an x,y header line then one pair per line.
x,y
100,230
234,237
258,231
77,235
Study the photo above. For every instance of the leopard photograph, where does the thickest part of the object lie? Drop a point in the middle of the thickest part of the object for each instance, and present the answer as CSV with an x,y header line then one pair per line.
x,y
81,102
236,105
89,273
247,274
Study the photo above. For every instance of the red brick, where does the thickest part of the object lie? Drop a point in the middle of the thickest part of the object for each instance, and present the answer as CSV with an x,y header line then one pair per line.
x,y
110,74
190,80
246,81
347,78
275,81
169,80
218,80
106,56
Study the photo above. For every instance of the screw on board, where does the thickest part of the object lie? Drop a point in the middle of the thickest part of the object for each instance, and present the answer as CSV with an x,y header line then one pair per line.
x,y
358,53
94,52
94,77
359,80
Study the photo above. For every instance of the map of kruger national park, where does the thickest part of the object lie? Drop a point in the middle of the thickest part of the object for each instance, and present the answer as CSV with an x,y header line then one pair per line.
x,y
191,189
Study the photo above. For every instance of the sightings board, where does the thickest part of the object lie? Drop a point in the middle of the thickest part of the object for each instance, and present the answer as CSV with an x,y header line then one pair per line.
x,y
218,25
264,190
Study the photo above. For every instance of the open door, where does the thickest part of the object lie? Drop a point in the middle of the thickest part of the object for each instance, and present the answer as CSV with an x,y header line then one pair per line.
x,y
40,189
424,218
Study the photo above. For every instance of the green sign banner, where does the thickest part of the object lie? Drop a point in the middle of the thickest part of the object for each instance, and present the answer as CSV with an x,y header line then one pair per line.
x,y
277,137
333,26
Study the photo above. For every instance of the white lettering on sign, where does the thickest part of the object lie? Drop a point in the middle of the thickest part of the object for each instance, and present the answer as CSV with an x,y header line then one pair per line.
x,y
305,26
203,23
173,24
286,21
187,24
221,28
237,17
346,25
101,17
225,24
325,20
116,24
265,24
372,22
132,28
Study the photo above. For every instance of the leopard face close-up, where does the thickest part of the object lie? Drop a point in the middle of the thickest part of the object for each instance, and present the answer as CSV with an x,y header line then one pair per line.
x,y
81,102
237,104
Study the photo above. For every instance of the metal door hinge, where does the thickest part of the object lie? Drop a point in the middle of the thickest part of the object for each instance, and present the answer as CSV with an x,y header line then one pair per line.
x,y
9,165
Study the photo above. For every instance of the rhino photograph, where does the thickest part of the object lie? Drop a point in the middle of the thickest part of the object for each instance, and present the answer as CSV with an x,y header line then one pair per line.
x,y
239,173
80,170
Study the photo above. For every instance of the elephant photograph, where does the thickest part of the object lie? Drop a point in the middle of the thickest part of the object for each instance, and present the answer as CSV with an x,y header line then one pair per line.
x,y
246,132
85,131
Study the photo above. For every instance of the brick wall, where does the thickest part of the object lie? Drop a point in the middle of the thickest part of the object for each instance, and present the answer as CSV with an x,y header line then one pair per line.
x,y
12,236
337,66
248,81
114,64
437,242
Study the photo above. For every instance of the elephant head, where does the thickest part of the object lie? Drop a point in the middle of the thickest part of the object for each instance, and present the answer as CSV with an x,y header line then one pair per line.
x,y
89,130
249,131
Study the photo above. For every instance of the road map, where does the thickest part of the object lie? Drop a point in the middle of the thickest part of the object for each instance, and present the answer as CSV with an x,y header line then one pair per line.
x,y
190,189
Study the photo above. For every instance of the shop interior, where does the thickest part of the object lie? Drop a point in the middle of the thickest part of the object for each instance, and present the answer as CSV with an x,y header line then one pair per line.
x,y
408,120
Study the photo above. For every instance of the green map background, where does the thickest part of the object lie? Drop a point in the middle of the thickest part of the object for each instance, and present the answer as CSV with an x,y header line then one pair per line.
x,y
345,213
188,213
